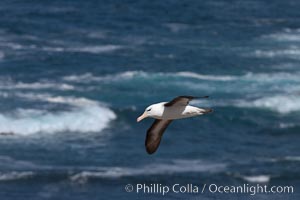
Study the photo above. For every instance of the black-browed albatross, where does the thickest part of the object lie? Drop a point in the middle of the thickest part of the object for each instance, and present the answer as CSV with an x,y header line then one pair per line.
x,y
164,113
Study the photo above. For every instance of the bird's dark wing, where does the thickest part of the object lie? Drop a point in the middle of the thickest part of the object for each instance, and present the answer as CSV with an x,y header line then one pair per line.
x,y
154,134
182,100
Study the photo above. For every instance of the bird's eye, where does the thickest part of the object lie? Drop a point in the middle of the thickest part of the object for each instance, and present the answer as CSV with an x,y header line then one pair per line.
x,y
149,110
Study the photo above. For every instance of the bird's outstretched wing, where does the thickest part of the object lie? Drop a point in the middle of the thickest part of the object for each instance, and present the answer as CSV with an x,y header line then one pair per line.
x,y
154,134
182,100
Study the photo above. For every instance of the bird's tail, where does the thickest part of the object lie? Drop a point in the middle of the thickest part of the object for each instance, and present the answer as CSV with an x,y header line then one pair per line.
x,y
209,110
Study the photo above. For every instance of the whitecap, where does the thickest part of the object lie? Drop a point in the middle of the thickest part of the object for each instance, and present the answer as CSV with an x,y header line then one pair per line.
x,y
292,158
85,116
286,125
280,103
255,77
206,77
174,167
70,100
14,175
36,86
86,49
85,119
54,49
96,49
287,35
289,53
257,178
89,77
270,77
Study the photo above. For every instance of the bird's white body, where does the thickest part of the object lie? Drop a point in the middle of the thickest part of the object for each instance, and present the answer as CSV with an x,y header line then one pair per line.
x,y
159,111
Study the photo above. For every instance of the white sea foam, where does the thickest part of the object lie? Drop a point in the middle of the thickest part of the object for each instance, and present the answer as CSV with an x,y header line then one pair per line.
x,y
89,77
86,119
281,103
85,116
96,49
257,179
35,86
289,46
285,158
63,47
292,158
287,35
14,175
46,97
287,125
175,167
206,77
291,52
257,77
54,49
86,49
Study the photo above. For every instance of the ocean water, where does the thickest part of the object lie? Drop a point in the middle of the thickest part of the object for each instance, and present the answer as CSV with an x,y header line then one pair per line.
x,y
75,75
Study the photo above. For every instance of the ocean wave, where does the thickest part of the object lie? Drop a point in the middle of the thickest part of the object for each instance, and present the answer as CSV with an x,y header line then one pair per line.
x,y
280,103
287,125
288,45
86,49
257,77
35,86
93,49
46,97
257,178
85,116
89,77
287,35
256,83
96,49
10,163
206,77
285,158
292,158
14,175
291,52
175,167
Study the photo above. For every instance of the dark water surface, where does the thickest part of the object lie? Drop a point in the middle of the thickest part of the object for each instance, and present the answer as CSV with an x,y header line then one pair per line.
x,y
74,75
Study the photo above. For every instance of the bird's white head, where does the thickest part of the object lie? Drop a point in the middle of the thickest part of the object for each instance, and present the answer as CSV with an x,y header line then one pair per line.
x,y
151,111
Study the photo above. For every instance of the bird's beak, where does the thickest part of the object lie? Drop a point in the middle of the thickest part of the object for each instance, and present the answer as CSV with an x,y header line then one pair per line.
x,y
143,116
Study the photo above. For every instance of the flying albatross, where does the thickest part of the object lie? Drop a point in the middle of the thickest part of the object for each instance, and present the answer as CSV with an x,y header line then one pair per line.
x,y
164,113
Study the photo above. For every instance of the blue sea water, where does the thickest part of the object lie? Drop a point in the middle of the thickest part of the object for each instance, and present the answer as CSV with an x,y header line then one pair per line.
x,y
75,75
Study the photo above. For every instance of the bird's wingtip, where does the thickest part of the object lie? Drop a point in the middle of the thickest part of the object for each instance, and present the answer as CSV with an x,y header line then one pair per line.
x,y
150,151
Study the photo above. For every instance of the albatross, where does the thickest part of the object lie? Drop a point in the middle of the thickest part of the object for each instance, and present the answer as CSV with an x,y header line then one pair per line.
x,y
164,113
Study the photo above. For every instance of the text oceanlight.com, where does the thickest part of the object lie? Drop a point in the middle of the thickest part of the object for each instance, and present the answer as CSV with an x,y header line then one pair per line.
x,y
251,189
